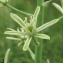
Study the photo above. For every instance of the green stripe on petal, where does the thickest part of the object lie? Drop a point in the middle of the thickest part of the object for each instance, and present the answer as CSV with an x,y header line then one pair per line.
x,y
6,56
18,19
26,44
48,24
43,36
58,7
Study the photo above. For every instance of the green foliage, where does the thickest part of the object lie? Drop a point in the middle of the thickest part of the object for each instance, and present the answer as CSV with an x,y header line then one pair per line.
x,y
52,50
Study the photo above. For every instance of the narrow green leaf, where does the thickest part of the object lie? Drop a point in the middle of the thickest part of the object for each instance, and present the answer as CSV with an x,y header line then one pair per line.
x,y
18,19
58,7
43,36
48,24
26,44
6,56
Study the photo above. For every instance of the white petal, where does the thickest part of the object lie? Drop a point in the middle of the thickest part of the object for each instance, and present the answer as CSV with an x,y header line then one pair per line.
x,y
34,19
36,12
58,7
6,56
20,43
43,36
15,33
10,29
48,24
26,44
48,61
2,1
46,3
12,38
18,19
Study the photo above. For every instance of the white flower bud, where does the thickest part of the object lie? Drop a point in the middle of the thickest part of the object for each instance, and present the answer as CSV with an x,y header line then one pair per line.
x,y
58,7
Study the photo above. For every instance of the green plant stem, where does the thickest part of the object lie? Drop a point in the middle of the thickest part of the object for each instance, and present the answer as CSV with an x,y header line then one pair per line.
x,y
38,49
62,3
22,12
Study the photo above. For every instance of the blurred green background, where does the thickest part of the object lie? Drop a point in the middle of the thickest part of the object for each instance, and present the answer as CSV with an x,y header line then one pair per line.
x,y
52,50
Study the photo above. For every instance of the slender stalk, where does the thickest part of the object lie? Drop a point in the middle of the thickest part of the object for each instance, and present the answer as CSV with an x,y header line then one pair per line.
x,y
62,3
22,12
38,49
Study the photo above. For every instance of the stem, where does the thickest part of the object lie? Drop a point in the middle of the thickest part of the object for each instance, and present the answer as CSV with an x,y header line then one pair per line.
x,y
38,49
37,43
22,12
62,3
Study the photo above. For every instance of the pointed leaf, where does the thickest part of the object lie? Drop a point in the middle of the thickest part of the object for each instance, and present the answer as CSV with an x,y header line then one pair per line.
x,y
58,7
48,24
26,44
6,56
18,19
43,36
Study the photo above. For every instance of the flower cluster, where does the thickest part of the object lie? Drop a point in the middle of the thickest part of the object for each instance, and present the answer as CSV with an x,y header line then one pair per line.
x,y
28,30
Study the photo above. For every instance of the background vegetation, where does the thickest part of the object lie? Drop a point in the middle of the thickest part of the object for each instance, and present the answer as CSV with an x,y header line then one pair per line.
x,y
52,50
